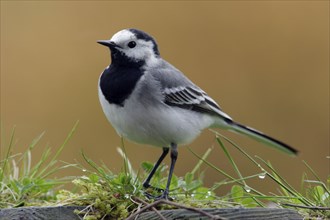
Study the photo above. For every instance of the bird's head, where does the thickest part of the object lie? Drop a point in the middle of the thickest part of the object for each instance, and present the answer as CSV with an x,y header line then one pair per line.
x,y
131,46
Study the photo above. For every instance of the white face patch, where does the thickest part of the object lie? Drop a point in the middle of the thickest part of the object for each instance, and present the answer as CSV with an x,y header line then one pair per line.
x,y
144,50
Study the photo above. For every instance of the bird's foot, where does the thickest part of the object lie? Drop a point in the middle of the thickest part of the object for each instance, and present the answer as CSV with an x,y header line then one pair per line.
x,y
148,186
164,196
149,195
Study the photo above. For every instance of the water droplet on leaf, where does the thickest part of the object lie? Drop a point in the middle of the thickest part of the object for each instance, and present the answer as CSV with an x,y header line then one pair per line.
x,y
262,175
247,188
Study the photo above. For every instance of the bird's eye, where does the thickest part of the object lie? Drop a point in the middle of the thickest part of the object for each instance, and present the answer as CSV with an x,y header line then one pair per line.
x,y
131,44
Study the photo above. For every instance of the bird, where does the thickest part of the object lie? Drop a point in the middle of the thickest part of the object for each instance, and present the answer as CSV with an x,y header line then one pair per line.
x,y
149,101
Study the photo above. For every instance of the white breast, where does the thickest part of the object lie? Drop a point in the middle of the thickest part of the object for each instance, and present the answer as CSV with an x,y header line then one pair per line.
x,y
157,125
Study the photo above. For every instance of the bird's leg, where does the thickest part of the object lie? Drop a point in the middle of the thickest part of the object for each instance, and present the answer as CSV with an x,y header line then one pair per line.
x,y
174,156
146,183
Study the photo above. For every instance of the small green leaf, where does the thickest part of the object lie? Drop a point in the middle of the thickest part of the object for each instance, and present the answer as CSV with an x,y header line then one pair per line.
x,y
194,185
174,182
147,166
237,192
93,178
249,202
318,191
204,193
189,178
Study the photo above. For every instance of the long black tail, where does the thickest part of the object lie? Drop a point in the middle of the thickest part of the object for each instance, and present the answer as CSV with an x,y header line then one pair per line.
x,y
259,136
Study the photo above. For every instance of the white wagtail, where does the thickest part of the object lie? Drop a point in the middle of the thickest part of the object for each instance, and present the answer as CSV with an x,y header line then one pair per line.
x,y
149,101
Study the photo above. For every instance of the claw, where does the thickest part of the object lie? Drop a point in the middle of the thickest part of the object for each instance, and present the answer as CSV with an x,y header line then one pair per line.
x,y
146,185
164,196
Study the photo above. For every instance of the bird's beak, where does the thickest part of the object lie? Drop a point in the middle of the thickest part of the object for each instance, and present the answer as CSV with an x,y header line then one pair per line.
x,y
108,43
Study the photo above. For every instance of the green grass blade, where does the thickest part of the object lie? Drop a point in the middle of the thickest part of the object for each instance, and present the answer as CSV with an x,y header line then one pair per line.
x,y
200,162
238,181
231,160
5,161
124,153
312,171
53,160
286,187
69,136
36,171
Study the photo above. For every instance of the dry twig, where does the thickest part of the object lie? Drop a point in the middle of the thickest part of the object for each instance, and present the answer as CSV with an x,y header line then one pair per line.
x,y
307,207
153,208
162,201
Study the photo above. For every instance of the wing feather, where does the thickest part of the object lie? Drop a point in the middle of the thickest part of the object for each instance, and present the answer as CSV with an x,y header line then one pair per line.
x,y
192,98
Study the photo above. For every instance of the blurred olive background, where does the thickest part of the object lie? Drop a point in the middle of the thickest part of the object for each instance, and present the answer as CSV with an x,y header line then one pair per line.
x,y
266,63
